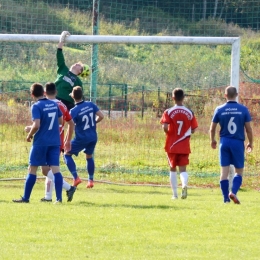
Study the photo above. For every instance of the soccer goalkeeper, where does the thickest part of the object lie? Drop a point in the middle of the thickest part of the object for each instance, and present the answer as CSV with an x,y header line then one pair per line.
x,y
67,78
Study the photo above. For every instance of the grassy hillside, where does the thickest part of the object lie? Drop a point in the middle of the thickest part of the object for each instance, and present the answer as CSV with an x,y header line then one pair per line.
x,y
136,65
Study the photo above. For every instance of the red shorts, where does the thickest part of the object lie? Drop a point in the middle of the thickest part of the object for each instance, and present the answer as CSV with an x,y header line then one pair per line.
x,y
175,159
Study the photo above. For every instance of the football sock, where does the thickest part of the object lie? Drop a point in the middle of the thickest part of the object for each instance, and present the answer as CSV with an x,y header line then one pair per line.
x,y
90,168
184,179
49,185
28,186
174,183
237,181
65,185
71,165
224,184
58,180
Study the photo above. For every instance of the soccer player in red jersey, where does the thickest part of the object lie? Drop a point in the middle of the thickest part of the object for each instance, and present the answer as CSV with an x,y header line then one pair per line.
x,y
178,123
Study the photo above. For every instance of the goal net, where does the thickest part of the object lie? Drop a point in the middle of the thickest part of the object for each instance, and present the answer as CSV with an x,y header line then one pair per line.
x,y
135,76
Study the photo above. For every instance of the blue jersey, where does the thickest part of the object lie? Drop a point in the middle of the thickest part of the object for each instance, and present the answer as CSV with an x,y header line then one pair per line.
x,y
232,118
48,112
84,117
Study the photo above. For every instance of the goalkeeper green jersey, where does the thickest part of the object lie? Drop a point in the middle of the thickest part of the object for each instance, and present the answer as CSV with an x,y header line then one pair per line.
x,y
65,80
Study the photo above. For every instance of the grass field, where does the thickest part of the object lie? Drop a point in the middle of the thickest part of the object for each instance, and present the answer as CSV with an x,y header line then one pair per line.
x,y
129,222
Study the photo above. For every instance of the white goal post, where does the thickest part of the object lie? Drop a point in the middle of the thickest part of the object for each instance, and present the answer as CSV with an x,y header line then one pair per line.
x,y
178,40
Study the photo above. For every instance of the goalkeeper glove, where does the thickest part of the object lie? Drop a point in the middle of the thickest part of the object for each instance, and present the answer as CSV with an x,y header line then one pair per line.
x,y
63,35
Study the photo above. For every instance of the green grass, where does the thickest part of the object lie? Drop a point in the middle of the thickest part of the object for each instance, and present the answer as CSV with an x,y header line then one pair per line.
x,y
125,222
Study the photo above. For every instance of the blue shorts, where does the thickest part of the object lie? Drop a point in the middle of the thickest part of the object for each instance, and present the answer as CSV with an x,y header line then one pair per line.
x,y
87,147
44,155
231,151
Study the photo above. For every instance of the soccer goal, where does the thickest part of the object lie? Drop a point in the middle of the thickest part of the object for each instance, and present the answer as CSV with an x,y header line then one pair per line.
x,y
136,75
170,40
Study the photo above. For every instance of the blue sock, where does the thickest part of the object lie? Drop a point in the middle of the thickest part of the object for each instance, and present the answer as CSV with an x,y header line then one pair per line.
x,y
28,186
90,168
237,181
224,184
71,165
58,182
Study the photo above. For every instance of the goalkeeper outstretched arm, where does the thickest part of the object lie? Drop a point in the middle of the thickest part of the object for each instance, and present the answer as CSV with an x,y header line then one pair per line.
x,y
62,40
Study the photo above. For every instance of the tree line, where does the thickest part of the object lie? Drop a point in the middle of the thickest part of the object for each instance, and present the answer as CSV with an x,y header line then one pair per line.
x,y
243,13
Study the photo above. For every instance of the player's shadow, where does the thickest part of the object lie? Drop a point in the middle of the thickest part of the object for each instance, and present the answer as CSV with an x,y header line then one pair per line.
x,y
128,191
124,205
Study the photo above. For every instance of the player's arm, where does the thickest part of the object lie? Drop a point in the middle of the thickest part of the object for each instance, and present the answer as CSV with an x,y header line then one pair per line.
x,y
163,121
60,120
212,133
194,130
165,127
27,129
69,134
60,45
62,40
59,54
34,128
249,133
194,124
99,116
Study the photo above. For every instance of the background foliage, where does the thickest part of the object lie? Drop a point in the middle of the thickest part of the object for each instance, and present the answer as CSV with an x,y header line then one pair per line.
x,y
151,65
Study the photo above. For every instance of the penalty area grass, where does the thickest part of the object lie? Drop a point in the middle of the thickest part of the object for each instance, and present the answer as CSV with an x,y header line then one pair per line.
x,y
128,222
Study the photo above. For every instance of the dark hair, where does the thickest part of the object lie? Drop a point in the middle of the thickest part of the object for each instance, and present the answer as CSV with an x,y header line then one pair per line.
x,y
77,93
231,92
178,94
50,88
36,90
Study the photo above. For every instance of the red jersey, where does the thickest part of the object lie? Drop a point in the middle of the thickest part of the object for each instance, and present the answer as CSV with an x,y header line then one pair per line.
x,y
66,117
181,121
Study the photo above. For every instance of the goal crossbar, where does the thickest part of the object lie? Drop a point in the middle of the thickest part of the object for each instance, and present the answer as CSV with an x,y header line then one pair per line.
x,y
120,39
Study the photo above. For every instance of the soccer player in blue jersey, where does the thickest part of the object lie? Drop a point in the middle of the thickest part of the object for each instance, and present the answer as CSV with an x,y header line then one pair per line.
x,y
50,93
234,119
45,150
85,115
